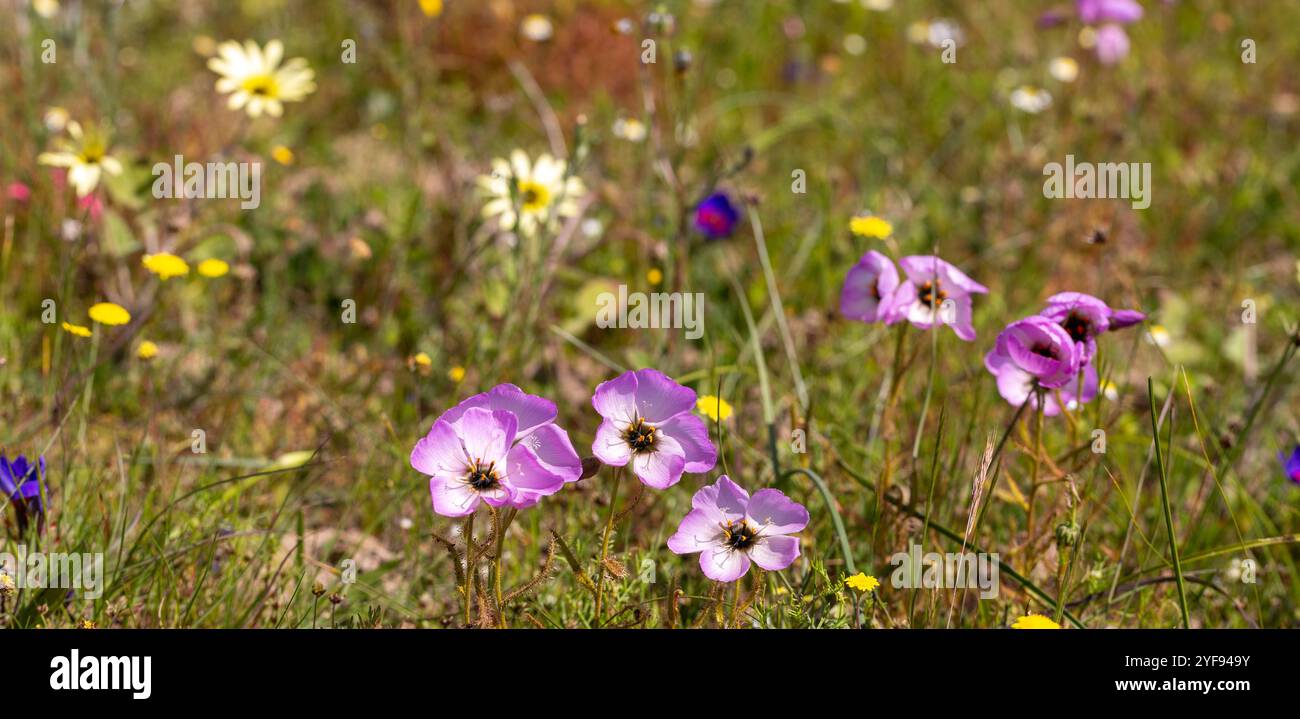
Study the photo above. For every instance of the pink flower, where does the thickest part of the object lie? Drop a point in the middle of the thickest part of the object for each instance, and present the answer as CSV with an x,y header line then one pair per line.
x,y
1099,11
501,447
648,422
92,205
922,298
1085,317
868,288
730,529
1112,44
18,192
1036,354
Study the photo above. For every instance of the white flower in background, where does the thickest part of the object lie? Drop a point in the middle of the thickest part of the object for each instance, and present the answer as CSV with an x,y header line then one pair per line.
x,y
1064,69
1030,99
55,119
256,80
630,129
46,8
878,5
524,195
943,30
1159,336
537,28
855,44
85,155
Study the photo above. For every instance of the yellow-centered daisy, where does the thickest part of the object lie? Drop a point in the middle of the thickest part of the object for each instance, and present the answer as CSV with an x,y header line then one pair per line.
x,y
255,79
85,155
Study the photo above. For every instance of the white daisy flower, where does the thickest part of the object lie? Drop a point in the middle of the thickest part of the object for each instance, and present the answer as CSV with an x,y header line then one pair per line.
x,y
1030,99
630,129
524,195
256,80
86,157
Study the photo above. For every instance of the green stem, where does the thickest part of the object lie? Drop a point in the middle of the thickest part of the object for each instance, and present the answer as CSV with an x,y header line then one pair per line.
x,y
604,546
469,570
1164,504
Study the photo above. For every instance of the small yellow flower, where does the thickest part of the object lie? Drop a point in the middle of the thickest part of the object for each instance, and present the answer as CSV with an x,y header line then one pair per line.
x,y
715,408
7,585
165,265
654,276
431,8
1159,336
1065,69
871,226
456,374
282,155
77,330
213,268
147,350
1035,621
107,313
423,360
863,583
87,624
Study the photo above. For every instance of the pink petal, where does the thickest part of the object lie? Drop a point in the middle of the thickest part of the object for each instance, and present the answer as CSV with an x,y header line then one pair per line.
x,y
695,534
530,410
526,476
659,398
776,513
616,398
452,498
775,553
610,447
552,447
723,564
661,468
486,434
692,435
439,452
722,501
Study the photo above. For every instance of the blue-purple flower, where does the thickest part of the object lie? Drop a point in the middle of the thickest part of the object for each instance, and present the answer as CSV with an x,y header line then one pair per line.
x,y
20,483
716,216
1291,465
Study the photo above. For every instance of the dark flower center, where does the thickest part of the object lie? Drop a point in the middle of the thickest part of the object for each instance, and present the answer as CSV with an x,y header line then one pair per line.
x,y
739,535
1078,326
931,294
640,436
482,477
1043,350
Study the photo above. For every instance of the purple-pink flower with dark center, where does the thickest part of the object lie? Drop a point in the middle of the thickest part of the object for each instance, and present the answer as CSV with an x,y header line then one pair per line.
x,y
501,447
647,420
716,216
868,288
923,298
1035,356
1085,317
730,529
20,485
1291,465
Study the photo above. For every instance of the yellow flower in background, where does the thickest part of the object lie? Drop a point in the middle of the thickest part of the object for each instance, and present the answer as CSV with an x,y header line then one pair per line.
x,y
108,313
1035,621
46,8
255,79
654,276
863,583
871,226
715,408
431,8
165,265
456,374
88,624
423,360
213,268
147,350
1159,336
77,330
85,156
282,155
